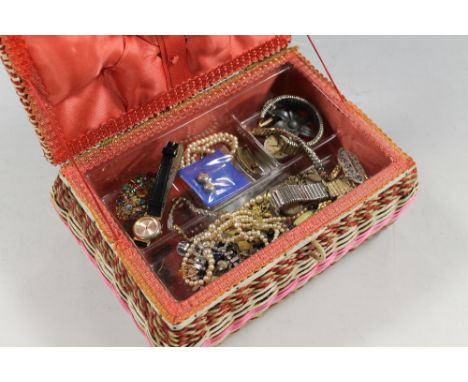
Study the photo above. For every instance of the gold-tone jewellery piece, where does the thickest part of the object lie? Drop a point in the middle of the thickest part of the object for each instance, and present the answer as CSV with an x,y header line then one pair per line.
x,y
248,162
339,187
335,172
317,163
149,226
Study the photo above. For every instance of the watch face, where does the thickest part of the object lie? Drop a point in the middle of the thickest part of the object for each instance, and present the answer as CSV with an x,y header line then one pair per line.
x,y
147,228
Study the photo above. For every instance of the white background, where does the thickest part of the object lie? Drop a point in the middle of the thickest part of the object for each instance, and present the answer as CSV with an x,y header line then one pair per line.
x,y
407,286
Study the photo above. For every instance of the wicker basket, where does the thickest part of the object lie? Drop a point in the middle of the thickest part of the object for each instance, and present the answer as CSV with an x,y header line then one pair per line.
x,y
249,301
230,303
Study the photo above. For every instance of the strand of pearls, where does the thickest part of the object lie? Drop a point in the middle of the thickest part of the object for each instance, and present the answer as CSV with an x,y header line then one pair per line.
x,y
205,146
253,223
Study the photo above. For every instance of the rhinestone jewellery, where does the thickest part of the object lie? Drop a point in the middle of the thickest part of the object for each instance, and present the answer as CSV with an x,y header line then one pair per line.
x,y
132,201
179,202
351,166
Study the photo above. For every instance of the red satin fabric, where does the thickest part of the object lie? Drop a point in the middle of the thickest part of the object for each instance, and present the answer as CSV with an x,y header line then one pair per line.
x,y
91,79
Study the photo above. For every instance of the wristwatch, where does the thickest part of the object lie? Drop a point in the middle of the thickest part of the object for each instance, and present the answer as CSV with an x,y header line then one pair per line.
x,y
149,226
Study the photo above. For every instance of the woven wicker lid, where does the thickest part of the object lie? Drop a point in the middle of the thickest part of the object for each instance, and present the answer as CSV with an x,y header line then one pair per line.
x,y
81,90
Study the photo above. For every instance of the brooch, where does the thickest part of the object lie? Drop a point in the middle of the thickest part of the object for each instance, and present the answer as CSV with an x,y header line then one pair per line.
x,y
132,201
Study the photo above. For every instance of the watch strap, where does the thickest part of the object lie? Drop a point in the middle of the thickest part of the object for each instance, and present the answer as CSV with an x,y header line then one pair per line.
x,y
170,162
284,196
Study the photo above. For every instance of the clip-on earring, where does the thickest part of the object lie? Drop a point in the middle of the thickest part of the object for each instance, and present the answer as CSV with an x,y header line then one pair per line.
x,y
204,179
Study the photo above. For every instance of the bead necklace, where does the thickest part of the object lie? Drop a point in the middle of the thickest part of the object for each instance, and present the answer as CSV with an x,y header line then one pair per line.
x,y
204,146
251,227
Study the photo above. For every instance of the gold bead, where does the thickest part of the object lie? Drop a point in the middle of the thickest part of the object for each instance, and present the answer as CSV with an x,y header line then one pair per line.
x,y
302,218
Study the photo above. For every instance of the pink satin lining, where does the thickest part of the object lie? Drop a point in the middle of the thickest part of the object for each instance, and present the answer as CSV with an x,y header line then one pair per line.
x,y
91,79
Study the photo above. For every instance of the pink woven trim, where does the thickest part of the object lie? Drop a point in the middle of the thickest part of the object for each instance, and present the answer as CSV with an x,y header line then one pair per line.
x,y
236,325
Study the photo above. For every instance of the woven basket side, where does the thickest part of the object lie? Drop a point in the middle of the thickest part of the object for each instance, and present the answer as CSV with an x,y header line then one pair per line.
x,y
216,319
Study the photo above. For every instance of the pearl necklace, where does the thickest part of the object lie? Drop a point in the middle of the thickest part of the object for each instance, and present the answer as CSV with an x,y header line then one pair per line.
x,y
202,147
252,225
